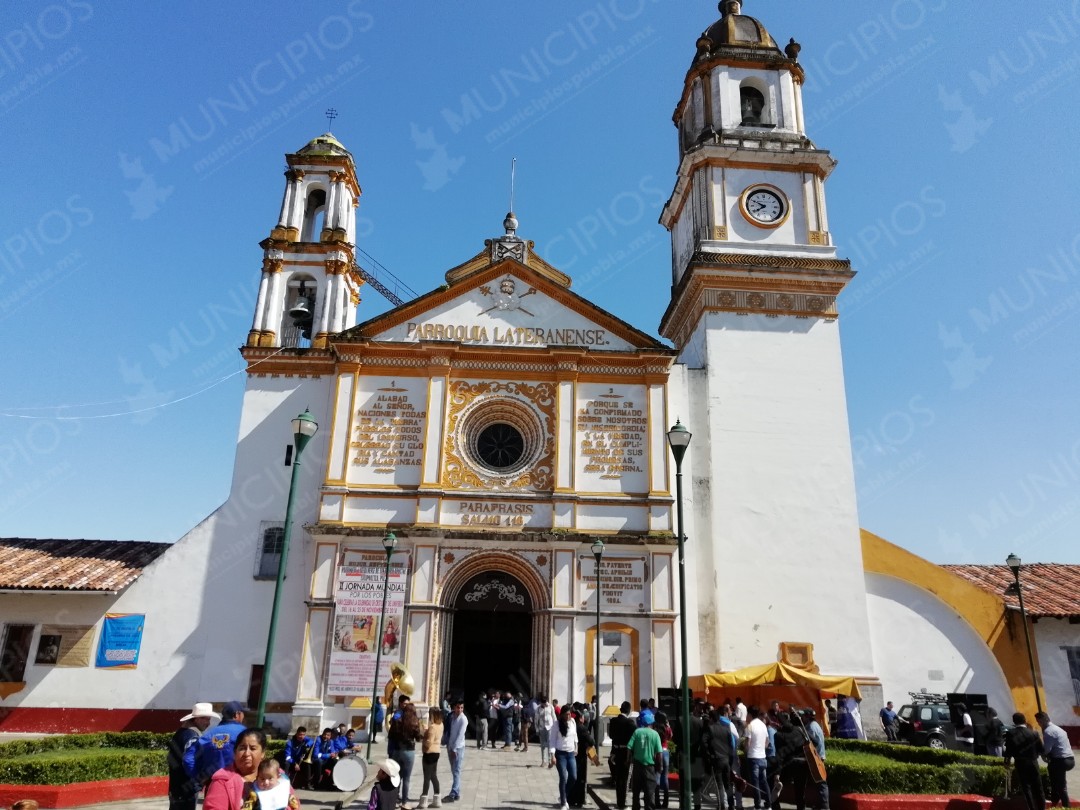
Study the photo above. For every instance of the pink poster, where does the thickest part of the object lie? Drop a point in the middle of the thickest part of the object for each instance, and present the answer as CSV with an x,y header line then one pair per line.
x,y
358,631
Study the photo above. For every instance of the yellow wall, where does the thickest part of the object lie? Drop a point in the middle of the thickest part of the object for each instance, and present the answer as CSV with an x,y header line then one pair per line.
x,y
985,612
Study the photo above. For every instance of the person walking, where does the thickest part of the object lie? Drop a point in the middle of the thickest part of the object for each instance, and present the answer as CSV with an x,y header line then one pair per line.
x,y
621,729
1059,758
646,753
493,718
183,790
1022,746
721,743
480,721
817,739
455,746
430,748
545,719
564,744
506,719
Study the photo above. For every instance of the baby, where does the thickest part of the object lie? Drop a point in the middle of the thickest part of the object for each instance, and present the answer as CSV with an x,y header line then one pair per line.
x,y
275,792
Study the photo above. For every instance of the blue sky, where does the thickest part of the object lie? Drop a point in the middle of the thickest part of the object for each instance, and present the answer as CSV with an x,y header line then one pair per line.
x,y
143,163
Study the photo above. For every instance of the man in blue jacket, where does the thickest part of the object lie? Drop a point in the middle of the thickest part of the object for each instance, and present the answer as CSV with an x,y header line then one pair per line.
x,y
214,750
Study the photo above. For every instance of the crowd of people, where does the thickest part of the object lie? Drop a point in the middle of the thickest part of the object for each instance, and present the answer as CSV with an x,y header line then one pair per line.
x,y
738,754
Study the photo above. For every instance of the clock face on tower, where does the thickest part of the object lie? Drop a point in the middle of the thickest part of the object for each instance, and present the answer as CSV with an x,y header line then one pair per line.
x,y
765,206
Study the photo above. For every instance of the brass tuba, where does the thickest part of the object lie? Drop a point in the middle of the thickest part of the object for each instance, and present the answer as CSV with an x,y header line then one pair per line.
x,y
401,680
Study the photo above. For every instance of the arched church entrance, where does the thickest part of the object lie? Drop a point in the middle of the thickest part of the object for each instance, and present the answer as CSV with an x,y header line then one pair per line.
x,y
491,644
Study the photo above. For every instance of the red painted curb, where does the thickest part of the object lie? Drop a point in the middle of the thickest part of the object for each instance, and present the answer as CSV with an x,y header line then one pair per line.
x,y
81,793
867,801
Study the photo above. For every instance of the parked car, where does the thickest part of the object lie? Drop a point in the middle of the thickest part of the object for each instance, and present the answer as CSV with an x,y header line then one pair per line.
x,y
931,719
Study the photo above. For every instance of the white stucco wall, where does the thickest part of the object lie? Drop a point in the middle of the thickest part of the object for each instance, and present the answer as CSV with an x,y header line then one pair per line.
x,y
1051,635
922,643
775,495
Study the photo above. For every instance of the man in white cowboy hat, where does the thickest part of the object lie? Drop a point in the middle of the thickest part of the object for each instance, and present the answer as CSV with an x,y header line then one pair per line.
x,y
183,790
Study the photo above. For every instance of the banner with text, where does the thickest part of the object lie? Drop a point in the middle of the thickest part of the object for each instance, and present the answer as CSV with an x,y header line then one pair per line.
x,y
121,639
360,628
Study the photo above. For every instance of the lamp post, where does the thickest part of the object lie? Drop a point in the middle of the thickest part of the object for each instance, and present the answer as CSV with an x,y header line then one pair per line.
x,y
679,439
598,553
1014,563
304,427
389,541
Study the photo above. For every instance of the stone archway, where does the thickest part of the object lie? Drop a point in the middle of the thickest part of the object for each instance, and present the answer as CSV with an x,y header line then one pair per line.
x,y
495,629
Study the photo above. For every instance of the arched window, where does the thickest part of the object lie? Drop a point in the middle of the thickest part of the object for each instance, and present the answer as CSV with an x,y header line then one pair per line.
x,y
314,216
752,102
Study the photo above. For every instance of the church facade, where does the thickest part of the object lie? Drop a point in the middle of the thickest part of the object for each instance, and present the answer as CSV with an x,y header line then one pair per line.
x,y
506,431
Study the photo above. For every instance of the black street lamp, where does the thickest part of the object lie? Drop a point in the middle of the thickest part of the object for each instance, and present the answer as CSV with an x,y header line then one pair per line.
x,y
304,427
679,439
598,554
388,543
1014,563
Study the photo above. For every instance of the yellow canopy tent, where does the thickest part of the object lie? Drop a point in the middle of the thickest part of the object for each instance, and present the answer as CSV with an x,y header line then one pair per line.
x,y
762,684
777,674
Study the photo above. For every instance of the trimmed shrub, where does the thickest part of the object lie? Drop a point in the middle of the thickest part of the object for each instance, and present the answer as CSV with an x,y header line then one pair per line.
x,y
901,752
67,758
858,772
63,767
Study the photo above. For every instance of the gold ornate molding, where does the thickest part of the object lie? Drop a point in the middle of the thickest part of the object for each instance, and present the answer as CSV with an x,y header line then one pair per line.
x,y
818,237
720,233
467,399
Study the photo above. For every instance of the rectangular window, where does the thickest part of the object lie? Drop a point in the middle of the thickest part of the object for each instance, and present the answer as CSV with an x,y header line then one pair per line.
x,y
15,652
1073,654
271,540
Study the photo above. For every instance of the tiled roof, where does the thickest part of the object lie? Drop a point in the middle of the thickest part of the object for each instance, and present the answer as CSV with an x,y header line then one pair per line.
x,y
73,565
1050,589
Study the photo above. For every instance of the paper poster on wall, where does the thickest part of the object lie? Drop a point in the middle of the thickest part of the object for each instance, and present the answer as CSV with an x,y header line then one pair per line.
x,y
64,645
359,635
121,638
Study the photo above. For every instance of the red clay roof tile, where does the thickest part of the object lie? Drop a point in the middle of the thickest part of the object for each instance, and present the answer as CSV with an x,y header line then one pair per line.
x,y
74,565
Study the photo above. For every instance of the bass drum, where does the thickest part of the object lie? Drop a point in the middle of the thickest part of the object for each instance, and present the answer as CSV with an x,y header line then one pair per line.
x,y
349,773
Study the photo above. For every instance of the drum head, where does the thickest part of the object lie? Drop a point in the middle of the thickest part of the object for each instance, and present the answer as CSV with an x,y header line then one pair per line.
x,y
349,773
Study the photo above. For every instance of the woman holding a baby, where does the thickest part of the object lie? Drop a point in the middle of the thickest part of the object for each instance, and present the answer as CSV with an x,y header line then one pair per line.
x,y
252,781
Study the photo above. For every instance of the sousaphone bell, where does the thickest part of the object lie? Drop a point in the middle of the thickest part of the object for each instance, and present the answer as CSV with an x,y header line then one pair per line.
x,y
401,680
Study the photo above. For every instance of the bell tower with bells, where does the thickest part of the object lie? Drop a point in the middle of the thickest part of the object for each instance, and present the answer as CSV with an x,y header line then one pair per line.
x,y
755,279
310,286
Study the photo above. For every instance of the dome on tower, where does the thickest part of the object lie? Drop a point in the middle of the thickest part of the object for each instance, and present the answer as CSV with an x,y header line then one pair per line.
x,y
325,145
736,34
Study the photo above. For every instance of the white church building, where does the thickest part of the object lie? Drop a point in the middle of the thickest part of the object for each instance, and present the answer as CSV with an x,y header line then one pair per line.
x,y
503,428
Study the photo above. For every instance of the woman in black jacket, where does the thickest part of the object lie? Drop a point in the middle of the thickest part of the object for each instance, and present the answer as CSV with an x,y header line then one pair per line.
x,y
791,761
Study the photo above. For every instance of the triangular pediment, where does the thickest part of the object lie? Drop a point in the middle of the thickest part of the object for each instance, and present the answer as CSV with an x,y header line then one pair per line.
x,y
505,304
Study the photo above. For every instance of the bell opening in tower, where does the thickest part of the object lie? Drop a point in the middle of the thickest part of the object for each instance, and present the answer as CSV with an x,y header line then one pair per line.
x,y
314,216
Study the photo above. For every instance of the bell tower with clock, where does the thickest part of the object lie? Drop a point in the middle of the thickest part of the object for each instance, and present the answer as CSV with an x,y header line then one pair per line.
x,y
755,278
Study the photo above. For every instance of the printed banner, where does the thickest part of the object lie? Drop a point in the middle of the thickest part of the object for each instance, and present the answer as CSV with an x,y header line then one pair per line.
x,y
121,638
65,645
358,633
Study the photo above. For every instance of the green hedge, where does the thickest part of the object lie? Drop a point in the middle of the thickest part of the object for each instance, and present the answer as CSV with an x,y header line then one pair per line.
x,y
108,739
67,758
63,767
902,752
858,772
